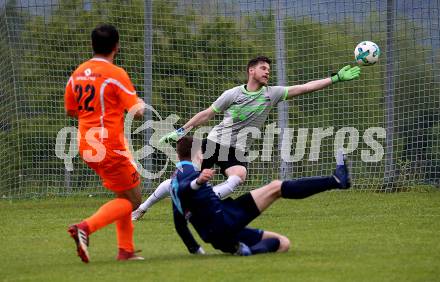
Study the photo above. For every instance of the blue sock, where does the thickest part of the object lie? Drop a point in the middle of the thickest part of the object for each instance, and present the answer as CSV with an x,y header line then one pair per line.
x,y
304,187
269,245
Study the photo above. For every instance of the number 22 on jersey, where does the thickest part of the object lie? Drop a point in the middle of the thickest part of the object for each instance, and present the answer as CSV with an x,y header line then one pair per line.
x,y
88,93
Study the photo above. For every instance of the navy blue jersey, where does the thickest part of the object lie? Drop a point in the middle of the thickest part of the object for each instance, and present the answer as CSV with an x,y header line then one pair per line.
x,y
202,206
219,222
202,201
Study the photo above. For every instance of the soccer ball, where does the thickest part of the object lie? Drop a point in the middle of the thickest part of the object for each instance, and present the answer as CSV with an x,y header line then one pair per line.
x,y
367,53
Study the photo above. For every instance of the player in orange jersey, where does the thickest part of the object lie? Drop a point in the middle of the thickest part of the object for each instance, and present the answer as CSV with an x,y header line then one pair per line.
x,y
98,93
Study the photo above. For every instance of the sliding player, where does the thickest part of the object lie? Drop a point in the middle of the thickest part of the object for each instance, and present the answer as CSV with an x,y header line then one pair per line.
x,y
223,223
98,93
244,106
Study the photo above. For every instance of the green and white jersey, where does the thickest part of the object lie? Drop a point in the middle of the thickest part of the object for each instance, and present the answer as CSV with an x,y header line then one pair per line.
x,y
243,109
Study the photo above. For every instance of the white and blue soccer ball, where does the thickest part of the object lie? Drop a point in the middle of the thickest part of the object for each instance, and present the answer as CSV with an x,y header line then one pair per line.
x,y
367,53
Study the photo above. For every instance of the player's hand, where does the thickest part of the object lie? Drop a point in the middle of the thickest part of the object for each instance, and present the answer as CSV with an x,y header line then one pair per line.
x,y
347,73
172,136
206,175
140,108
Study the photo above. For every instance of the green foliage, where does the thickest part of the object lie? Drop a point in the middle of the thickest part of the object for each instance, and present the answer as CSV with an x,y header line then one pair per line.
x,y
196,56
9,149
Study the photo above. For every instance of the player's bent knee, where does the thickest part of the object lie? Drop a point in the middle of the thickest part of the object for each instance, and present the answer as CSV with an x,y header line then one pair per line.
x,y
242,178
239,171
284,244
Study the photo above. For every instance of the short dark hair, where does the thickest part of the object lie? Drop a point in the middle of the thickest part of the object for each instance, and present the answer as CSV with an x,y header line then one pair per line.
x,y
187,147
255,61
104,39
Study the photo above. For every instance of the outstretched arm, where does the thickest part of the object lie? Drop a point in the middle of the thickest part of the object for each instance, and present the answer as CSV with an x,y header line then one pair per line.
x,y
345,74
185,234
199,119
220,105
308,87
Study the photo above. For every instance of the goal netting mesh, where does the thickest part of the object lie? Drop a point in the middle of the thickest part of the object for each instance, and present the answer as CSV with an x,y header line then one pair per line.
x,y
182,54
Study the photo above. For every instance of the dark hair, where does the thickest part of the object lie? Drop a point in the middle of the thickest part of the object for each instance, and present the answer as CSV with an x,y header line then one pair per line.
x,y
255,61
187,147
104,39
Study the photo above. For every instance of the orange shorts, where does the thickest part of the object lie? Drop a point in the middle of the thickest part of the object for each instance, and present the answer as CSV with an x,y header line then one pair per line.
x,y
117,171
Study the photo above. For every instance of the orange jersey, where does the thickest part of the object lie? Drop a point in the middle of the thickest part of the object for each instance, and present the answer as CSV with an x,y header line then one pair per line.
x,y
100,92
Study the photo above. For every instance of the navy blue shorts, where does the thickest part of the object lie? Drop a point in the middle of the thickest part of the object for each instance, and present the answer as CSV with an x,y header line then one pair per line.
x,y
237,214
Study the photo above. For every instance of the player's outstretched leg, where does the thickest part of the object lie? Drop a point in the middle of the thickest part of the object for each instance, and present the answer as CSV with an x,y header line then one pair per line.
x,y
303,187
162,191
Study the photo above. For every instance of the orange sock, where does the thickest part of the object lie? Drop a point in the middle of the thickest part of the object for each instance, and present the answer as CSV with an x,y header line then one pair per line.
x,y
108,213
124,232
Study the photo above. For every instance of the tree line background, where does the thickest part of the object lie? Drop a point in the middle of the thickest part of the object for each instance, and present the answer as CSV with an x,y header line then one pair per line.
x,y
198,52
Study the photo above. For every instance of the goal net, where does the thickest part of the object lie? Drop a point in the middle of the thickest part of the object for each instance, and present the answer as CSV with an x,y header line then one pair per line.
x,y
182,54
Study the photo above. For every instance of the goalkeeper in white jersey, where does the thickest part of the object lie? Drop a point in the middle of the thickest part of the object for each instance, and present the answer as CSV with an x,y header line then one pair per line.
x,y
243,106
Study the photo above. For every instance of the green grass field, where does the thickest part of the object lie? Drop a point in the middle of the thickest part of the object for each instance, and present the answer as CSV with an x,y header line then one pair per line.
x,y
337,236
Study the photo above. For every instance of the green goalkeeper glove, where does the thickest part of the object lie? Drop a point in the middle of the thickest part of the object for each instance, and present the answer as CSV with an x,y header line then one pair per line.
x,y
172,136
346,73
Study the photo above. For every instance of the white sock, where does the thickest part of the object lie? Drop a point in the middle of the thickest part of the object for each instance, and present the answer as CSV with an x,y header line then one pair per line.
x,y
340,157
226,188
161,192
